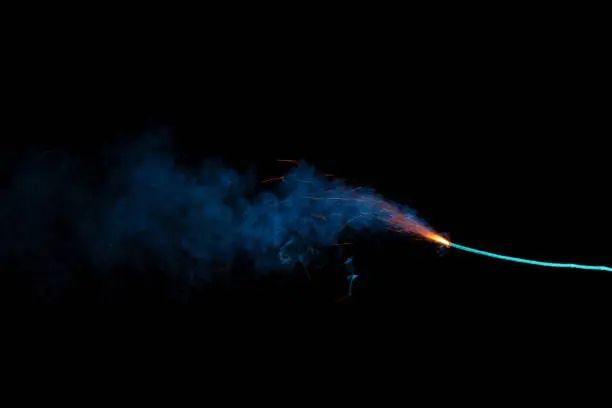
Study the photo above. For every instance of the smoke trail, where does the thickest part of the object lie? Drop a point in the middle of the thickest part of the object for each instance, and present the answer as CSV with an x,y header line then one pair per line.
x,y
144,210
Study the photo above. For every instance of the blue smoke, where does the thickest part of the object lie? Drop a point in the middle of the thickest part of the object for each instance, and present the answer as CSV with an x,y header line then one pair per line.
x,y
145,210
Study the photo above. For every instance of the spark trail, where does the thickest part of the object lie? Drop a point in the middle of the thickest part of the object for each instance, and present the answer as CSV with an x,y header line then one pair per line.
x,y
368,205
403,220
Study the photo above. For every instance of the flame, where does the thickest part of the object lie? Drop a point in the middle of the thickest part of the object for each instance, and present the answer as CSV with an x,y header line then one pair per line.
x,y
438,239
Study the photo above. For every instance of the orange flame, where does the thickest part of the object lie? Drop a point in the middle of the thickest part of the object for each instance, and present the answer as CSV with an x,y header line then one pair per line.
x,y
438,239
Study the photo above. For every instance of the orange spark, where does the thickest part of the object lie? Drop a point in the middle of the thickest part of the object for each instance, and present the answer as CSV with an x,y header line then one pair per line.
x,y
438,239
353,219
273,179
343,298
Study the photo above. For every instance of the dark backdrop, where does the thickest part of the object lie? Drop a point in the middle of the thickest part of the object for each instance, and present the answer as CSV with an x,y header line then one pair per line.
x,y
498,139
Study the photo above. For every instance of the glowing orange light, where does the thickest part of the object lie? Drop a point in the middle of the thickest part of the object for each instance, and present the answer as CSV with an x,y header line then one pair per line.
x,y
439,239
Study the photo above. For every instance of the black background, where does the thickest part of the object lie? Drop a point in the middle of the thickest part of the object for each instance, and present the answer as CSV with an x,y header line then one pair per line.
x,y
496,133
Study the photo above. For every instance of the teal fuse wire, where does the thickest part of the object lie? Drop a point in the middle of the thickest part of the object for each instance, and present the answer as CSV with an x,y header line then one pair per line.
x,y
528,261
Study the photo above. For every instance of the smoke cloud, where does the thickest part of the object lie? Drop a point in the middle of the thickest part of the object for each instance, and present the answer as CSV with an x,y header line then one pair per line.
x,y
142,209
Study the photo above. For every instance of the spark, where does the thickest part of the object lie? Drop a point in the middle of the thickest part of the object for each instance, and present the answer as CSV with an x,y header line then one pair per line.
x,y
438,239
273,179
